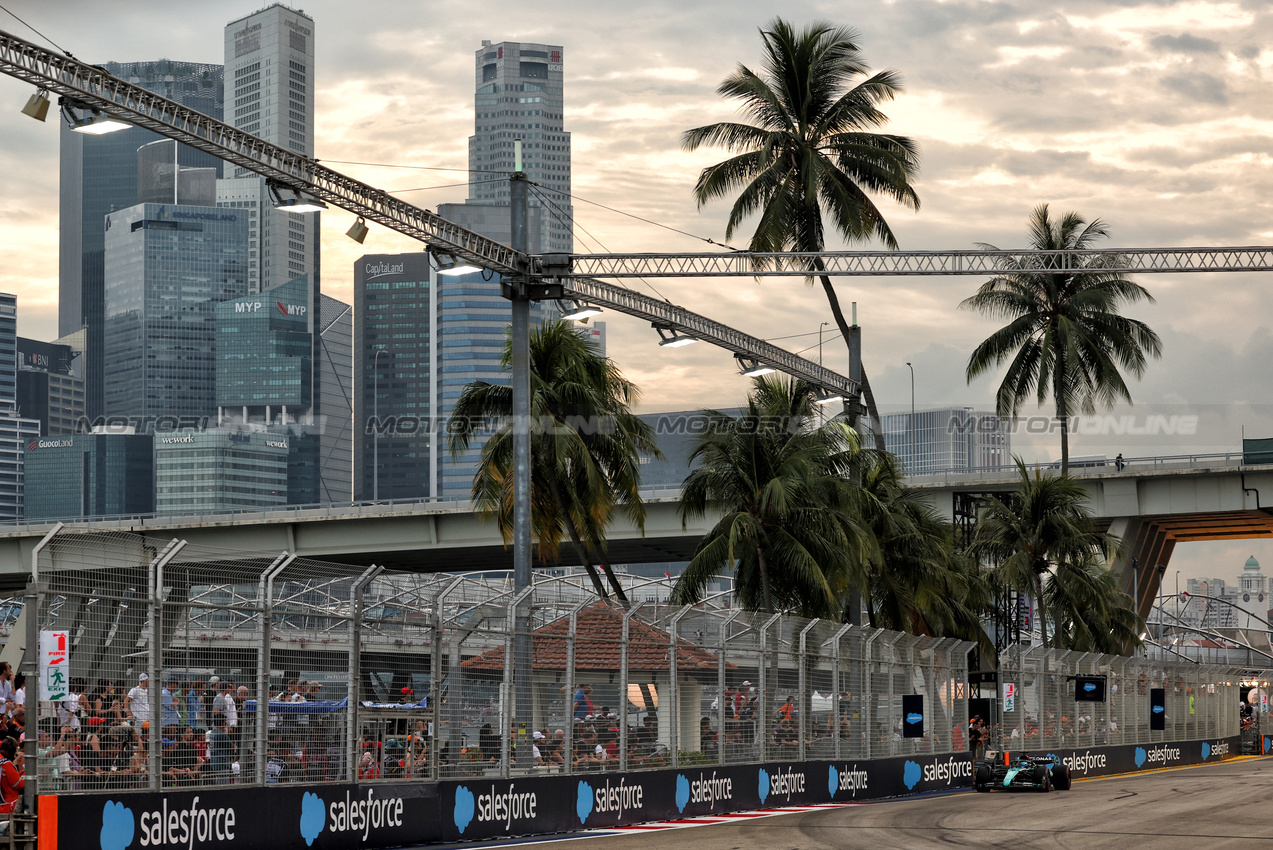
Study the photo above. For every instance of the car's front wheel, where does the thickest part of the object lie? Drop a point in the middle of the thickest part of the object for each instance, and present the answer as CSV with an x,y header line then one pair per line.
x,y
1043,778
981,779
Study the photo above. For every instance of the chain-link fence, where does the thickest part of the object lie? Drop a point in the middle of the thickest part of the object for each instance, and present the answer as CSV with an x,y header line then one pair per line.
x,y
372,675
1198,701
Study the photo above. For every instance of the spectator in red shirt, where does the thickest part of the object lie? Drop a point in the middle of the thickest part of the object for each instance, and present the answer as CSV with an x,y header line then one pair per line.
x,y
12,779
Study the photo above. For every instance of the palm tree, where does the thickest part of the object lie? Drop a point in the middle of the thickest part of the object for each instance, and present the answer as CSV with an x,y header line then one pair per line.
x,y
585,452
788,531
916,582
809,146
1064,336
1044,528
1090,611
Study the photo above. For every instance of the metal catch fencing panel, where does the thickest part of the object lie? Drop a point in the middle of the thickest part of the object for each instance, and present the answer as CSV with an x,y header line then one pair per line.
x,y
1199,700
193,667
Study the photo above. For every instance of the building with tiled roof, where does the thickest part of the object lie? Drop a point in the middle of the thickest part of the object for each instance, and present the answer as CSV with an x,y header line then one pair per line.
x,y
598,646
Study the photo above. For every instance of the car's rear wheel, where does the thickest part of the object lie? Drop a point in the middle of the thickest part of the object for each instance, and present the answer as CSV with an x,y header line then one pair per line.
x,y
1043,778
1061,777
981,779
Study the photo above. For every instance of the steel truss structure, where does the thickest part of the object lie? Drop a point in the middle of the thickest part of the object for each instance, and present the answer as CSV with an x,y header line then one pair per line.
x,y
922,263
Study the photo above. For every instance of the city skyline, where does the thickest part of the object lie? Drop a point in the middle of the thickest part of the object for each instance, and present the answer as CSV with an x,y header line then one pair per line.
x,y
1146,115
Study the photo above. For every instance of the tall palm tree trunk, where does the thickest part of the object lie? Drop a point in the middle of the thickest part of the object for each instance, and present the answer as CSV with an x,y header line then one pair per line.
x,y
1042,612
764,579
1062,410
580,551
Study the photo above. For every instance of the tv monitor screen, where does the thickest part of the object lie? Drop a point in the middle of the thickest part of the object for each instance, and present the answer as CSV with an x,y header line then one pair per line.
x,y
1089,688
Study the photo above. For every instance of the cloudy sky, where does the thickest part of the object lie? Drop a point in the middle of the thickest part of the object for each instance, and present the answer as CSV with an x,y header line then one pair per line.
x,y
1150,115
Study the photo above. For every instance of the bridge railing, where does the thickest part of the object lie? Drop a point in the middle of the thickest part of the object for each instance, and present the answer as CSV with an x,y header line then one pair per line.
x,y
1082,467
327,510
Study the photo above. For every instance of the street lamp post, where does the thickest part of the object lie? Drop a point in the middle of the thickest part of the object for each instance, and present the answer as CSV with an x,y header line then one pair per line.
x,y
375,431
911,422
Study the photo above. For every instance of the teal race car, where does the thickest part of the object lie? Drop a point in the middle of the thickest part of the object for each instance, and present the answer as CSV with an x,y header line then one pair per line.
x,y
1027,773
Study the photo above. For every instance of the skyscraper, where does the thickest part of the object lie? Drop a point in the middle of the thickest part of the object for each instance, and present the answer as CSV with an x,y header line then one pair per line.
x,y
519,94
269,88
947,440
166,267
335,366
98,176
15,431
395,325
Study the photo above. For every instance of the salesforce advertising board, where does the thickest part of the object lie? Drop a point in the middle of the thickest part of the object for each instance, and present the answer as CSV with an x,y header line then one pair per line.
x,y
387,814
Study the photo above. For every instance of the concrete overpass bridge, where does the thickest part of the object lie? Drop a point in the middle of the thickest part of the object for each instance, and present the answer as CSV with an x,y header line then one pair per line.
x,y
418,536
1152,505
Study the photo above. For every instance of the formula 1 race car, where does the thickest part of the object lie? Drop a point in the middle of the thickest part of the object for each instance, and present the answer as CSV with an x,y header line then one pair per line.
x,y
1027,773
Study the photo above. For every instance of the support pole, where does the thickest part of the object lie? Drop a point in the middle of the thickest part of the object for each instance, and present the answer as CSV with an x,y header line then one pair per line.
x,y
31,664
154,691
355,673
264,597
518,210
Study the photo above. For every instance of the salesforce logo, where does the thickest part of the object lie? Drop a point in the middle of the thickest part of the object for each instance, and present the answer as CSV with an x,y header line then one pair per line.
x,y
914,718
1140,756
463,814
682,792
763,783
313,816
117,826
1089,686
1158,709
1206,750
583,802
911,774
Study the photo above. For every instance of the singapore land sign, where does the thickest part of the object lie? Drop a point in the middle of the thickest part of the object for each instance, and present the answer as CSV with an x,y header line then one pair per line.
x,y
387,814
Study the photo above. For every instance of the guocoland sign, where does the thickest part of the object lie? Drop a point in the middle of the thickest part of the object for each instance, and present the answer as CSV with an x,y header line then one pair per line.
x,y
386,814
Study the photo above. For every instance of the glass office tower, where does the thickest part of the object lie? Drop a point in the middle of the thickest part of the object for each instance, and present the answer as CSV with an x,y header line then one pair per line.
x,y
90,475
98,176
166,267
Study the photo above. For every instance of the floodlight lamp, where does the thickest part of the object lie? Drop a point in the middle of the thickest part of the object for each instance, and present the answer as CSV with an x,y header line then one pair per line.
x,y
295,201
578,311
456,267
358,231
752,368
670,337
829,398
97,124
37,105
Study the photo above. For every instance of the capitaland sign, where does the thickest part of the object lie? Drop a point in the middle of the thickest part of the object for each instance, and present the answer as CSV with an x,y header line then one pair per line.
x,y
381,269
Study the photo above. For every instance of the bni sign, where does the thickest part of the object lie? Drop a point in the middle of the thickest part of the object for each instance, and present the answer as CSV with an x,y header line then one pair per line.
x,y
1009,697
55,666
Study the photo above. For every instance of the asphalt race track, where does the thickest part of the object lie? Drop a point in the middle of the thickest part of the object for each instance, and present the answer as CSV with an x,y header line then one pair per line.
x,y
1211,806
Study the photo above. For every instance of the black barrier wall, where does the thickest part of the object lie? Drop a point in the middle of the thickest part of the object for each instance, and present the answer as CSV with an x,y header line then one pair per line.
x,y
371,815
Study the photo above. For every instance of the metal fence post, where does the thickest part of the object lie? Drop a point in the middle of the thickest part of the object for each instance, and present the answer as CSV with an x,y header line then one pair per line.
x,y
31,661
721,737
511,643
674,692
265,599
868,708
355,674
154,690
625,643
568,697
802,687
762,716
836,685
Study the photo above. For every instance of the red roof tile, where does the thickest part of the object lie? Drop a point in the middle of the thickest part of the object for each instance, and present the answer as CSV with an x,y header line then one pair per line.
x,y
599,630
